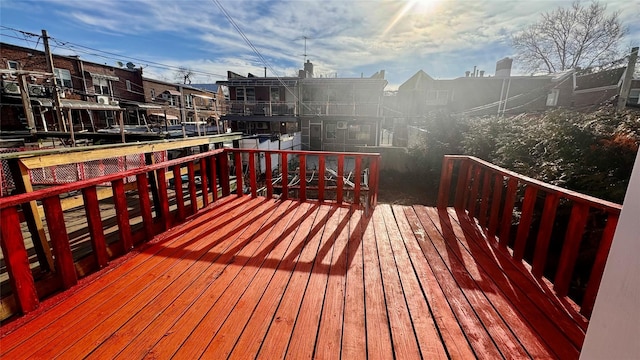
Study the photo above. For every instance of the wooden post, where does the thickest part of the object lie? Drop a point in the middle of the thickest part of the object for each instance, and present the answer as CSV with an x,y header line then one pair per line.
x,y
17,260
26,104
60,241
32,216
94,222
121,123
56,95
122,214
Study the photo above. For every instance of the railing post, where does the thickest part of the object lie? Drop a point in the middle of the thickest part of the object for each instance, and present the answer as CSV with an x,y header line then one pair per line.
x,y
285,173
268,175
484,200
163,198
191,173
145,205
224,174
577,223
253,183
507,210
530,194
204,182
495,205
237,162
94,222
321,169
445,182
544,234
17,260
340,179
60,241
213,178
357,180
303,177
122,214
461,186
177,187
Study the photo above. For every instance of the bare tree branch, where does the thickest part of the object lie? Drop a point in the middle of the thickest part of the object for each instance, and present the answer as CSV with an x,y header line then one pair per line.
x,y
580,36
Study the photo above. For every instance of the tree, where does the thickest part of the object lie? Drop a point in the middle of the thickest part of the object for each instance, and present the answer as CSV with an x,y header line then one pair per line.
x,y
184,74
580,36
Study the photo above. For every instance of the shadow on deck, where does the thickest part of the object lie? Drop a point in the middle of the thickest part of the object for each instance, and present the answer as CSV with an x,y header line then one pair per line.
x,y
248,278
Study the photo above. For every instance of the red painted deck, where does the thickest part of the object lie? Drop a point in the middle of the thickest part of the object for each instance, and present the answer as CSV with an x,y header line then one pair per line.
x,y
255,278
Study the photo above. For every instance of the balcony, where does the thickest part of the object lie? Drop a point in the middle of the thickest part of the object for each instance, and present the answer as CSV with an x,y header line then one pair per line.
x,y
261,108
297,263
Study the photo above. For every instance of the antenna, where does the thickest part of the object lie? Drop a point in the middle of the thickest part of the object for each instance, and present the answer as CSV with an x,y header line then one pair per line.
x,y
305,38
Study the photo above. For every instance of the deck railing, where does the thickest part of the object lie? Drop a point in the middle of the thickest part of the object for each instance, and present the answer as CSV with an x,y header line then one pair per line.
x,y
547,226
167,193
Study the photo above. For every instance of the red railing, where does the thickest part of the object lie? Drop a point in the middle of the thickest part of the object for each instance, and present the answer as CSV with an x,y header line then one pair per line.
x,y
208,178
545,225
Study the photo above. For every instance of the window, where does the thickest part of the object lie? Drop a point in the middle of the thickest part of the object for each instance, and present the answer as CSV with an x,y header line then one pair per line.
x,y
153,94
251,94
634,96
63,77
359,132
13,65
188,100
331,131
101,86
437,97
128,85
240,94
275,94
173,101
552,97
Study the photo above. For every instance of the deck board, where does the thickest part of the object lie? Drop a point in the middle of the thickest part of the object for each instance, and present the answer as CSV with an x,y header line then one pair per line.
x,y
256,278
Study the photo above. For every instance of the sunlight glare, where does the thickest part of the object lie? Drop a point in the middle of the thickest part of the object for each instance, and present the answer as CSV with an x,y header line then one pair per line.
x,y
411,6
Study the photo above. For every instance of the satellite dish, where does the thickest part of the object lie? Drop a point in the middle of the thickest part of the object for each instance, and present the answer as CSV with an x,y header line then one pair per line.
x,y
131,65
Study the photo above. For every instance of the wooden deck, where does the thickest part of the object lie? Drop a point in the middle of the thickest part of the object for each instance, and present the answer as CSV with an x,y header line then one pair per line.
x,y
256,278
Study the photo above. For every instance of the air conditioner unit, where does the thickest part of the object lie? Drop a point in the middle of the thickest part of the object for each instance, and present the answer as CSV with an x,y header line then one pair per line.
x,y
102,99
37,90
261,125
10,87
114,102
342,125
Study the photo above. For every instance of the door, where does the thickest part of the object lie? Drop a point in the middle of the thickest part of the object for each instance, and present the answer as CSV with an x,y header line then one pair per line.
x,y
315,132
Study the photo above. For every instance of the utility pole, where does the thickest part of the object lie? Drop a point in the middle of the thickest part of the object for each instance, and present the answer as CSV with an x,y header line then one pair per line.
x,y
56,95
626,83
26,103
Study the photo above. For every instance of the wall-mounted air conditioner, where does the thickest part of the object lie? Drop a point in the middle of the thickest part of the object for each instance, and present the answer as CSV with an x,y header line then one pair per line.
x,y
10,87
102,99
261,126
114,102
342,125
37,90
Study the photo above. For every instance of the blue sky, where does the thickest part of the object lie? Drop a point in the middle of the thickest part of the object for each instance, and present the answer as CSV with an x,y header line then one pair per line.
x,y
348,38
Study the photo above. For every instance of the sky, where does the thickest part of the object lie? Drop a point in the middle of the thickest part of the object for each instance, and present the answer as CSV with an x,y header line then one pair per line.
x,y
343,38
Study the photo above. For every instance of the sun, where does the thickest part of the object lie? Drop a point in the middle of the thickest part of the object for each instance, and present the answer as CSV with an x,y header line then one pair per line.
x,y
411,6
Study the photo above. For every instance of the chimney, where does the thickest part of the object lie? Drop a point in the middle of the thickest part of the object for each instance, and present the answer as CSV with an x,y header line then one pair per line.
x,y
308,68
475,72
503,67
481,73
467,73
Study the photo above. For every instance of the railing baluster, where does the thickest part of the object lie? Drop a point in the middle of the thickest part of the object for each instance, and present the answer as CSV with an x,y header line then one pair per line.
x,y
94,222
252,175
484,199
237,162
177,185
122,214
357,180
374,180
285,173
507,211
268,175
303,177
598,267
213,179
445,182
60,241
204,182
340,179
193,195
544,234
577,223
524,227
225,181
461,186
145,205
473,194
17,260
321,169
495,204
163,197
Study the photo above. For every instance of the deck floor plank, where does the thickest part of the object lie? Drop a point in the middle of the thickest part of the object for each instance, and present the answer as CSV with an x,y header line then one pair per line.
x,y
255,278
543,324
354,338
